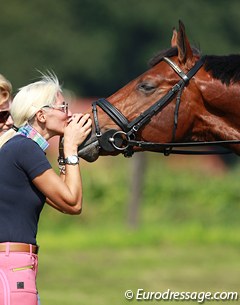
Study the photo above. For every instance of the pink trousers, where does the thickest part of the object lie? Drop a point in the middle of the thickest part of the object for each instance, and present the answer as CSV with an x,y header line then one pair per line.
x,y
18,271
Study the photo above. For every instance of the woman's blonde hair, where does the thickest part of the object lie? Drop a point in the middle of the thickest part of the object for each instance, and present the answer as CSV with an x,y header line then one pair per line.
x,y
5,85
29,100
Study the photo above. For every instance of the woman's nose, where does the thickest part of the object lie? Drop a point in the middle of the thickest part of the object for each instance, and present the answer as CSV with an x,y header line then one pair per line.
x,y
69,113
9,121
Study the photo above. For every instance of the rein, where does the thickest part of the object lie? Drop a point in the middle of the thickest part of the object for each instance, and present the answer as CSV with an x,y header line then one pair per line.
x,y
124,140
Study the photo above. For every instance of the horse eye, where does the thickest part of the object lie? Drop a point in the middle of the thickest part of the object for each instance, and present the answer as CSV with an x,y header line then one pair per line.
x,y
147,87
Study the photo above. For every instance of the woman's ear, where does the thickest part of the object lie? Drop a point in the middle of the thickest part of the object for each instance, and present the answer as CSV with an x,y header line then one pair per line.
x,y
41,116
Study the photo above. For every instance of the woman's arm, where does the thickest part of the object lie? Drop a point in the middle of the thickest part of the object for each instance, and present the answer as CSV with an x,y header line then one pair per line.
x,y
66,194
63,196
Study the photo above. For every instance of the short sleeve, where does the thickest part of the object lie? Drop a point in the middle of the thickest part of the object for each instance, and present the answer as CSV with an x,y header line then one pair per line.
x,y
32,159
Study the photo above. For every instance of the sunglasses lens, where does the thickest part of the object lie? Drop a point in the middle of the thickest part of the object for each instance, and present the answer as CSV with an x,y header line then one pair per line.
x,y
4,115
66,108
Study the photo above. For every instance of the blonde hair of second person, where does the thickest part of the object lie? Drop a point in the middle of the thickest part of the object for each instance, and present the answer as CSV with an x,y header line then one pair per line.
x,y
5,101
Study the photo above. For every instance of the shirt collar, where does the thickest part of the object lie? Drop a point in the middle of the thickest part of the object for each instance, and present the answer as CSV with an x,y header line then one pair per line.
x,y
31,133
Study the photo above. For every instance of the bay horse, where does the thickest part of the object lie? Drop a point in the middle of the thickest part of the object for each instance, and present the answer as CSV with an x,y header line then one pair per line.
x,y
184,99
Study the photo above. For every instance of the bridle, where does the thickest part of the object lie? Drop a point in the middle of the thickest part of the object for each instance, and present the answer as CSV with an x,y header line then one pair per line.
x,y
125,139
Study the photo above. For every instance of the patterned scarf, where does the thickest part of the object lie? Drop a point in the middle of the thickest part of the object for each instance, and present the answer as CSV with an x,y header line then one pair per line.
x,y
31,133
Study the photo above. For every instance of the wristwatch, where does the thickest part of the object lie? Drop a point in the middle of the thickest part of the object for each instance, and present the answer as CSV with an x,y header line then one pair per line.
x,y
72,160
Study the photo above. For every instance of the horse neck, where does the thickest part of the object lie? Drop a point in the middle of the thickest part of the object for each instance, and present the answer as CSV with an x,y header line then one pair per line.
x,y
219,117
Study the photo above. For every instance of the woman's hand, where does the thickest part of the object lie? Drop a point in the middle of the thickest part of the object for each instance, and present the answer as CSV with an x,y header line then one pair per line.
x,y
76,132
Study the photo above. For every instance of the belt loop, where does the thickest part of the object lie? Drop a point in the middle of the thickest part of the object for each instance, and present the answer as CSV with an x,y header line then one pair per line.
x,y
30,245
7,249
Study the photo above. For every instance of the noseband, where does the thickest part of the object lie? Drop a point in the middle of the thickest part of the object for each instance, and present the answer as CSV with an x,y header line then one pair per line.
x,y
124,140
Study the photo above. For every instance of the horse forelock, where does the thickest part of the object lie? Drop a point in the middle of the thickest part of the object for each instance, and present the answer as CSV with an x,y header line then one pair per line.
x,y
224,68
164,53
168,53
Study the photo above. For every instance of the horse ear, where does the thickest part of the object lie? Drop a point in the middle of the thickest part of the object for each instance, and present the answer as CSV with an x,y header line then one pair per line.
x,y
185,53
174,38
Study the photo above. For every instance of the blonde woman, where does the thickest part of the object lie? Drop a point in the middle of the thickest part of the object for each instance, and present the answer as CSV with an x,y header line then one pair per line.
x,y
27,180
5,100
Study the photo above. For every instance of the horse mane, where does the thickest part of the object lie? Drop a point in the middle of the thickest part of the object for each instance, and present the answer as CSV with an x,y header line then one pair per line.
x,y
224,68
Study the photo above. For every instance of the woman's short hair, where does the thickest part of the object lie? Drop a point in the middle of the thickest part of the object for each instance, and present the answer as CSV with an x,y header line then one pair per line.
x,y
31,98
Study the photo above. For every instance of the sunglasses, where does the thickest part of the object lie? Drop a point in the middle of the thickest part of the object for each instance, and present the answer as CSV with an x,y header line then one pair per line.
x,y
4,115
63,107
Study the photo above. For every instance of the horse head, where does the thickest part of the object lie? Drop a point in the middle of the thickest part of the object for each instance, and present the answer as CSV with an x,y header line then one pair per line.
x,y
182,97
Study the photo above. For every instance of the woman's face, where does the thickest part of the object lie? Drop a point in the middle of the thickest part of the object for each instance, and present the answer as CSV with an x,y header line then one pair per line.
x,y
58,116
6,121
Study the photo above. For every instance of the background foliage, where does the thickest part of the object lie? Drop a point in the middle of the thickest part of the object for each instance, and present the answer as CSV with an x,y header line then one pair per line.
x,y
98,46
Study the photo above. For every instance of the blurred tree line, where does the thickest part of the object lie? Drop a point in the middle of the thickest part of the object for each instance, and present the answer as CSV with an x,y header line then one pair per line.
x,y
95,47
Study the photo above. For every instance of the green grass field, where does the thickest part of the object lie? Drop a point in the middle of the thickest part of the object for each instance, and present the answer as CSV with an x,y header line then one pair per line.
x,y
188,237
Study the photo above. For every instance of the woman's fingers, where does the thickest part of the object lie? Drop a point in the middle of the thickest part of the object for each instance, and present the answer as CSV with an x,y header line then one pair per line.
x,y
79,118
78,128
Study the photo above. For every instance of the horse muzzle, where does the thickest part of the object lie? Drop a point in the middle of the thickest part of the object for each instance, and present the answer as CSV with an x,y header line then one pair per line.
x,y
89,149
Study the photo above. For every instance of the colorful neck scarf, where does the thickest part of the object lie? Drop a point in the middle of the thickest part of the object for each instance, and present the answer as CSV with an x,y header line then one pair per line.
x,y
31,133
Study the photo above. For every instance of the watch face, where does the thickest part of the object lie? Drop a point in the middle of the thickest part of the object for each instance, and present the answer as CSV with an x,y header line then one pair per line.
x,y
72,160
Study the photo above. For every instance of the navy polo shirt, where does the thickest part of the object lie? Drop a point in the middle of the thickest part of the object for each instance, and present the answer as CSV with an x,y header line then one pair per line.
x,y
21,160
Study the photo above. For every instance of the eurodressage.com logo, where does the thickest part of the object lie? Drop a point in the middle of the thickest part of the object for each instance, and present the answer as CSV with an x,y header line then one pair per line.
x,y
199,297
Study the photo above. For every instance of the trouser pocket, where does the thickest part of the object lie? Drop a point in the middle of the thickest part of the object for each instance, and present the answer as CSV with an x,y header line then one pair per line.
x,y
22,282
18,279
